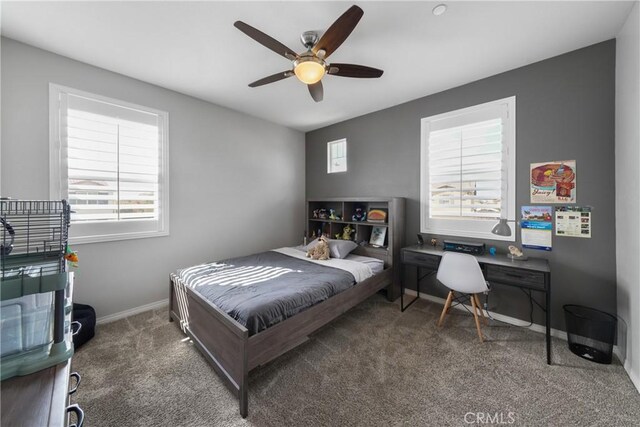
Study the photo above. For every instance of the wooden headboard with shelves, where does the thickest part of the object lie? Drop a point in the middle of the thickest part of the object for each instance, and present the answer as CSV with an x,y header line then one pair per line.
x,y
344,208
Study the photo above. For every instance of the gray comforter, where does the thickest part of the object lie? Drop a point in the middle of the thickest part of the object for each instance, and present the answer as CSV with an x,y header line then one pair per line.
x,y
263,289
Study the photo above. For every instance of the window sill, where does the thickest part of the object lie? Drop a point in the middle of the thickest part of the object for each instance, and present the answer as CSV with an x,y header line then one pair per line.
x,y
82,240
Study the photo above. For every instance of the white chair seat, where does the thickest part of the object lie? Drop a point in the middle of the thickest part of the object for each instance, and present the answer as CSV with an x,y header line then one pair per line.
x,y
462,273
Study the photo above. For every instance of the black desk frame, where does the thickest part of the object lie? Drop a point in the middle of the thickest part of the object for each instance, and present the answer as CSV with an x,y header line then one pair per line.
x,y
412,256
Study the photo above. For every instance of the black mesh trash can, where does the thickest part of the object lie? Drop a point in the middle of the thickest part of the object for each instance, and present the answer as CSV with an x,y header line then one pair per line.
x,y
590,332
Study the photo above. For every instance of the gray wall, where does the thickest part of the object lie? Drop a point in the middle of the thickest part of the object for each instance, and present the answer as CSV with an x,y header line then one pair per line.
x,y
565,111
628,191
236,182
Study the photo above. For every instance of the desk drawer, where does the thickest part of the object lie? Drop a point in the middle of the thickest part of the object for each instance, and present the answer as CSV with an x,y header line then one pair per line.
x,y
515,276
423,260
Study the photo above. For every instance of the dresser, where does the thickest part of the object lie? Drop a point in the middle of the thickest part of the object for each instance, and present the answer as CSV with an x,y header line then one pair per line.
x,y
40,399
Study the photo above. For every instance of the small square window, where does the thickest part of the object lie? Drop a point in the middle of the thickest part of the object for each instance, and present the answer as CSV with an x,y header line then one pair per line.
x,y
337,156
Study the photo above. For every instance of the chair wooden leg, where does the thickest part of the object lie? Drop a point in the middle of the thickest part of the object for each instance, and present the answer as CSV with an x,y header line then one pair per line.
x,y
446,307
475,316
484,318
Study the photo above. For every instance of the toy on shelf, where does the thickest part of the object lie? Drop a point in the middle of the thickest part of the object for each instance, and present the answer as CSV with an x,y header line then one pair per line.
x,y
434,242
333,215
377,215
359,215
346,232
320,213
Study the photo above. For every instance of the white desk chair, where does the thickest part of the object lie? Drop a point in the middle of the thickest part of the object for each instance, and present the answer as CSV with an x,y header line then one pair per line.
x,y
461,273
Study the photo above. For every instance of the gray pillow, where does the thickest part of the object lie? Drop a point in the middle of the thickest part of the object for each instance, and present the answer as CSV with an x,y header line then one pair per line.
x,y
337,248
341,248
310,245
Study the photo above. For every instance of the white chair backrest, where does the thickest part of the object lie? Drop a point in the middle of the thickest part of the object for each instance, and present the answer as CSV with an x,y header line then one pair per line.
x,y
461,273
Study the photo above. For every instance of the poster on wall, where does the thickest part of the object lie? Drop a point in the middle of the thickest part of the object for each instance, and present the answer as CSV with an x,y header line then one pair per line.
x,y
553,182
536,225
573,221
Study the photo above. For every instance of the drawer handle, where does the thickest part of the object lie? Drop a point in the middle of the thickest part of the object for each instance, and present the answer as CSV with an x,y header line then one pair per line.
x,y
78,379
79,414
78,324
517,276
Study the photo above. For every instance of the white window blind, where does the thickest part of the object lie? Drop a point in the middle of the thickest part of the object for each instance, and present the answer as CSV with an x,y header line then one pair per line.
x,y
465,171
111,166
337,156
468,170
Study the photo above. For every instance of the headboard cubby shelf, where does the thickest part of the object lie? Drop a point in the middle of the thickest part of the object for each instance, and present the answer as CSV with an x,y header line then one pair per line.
x,y
345,207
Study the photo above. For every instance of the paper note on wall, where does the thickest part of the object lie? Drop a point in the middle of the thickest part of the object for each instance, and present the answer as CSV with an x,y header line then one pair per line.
x,y
536,227
573,221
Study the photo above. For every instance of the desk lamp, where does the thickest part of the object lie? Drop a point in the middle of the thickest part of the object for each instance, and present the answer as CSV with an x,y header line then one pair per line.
x,y
502,228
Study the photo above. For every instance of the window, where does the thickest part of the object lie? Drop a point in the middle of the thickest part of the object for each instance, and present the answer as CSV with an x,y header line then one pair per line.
x,y
468,170
109,159
337,156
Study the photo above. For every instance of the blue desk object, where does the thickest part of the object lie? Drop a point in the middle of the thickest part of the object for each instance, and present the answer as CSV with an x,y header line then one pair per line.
x,y
531,275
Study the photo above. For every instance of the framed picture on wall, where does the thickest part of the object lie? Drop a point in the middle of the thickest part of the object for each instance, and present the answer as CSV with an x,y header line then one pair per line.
x,y
378,235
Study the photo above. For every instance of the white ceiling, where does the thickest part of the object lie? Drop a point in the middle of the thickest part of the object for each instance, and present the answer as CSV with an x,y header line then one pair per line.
x,y
193,48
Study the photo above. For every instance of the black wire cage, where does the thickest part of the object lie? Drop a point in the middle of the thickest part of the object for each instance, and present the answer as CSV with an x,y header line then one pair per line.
x,y
34,231
33,241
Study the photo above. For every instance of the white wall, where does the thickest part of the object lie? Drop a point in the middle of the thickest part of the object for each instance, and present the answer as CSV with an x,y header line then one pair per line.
x,y
236,182
628,193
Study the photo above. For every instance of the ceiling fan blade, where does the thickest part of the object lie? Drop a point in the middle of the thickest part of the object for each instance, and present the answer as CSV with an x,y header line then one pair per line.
x,y
272,78
338,31
352,70
266,40
316,91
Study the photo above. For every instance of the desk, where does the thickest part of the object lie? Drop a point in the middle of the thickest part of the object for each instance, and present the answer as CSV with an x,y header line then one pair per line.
x,y
38,399
532,275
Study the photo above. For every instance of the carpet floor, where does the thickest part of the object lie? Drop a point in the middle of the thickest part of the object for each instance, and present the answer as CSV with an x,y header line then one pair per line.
x,y
373,366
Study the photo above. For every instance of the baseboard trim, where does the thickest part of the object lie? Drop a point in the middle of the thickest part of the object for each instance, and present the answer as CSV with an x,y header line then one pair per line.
x,y
132,311
635,379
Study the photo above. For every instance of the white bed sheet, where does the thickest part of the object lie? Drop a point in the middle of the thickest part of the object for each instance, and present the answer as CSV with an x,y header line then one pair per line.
x,y
376,265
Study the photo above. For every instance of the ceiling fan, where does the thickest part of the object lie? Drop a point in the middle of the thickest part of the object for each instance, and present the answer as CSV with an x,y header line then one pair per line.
x,y
311,66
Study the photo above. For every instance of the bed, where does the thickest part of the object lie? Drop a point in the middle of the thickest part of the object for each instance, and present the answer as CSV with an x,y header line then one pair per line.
x,y
244,312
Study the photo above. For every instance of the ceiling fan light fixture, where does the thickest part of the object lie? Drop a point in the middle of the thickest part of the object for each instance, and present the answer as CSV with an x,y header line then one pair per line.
x,y
309,70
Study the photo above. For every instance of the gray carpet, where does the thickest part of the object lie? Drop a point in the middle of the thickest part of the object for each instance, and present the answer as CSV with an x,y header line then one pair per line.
x,y
374,366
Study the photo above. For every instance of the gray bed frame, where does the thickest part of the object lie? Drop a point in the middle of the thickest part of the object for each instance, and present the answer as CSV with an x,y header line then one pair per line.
x,y
226,344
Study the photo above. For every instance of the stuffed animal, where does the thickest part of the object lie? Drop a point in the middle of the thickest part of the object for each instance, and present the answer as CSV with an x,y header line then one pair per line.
x,y
346,232
71,256
359,215
320,251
